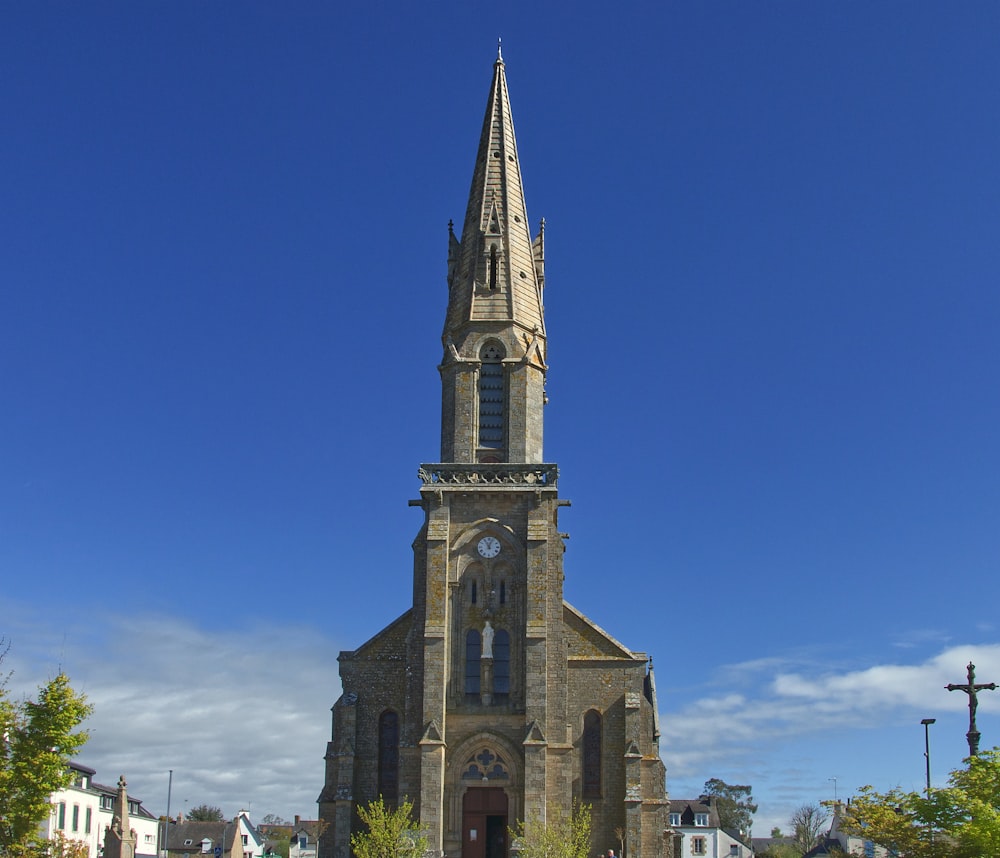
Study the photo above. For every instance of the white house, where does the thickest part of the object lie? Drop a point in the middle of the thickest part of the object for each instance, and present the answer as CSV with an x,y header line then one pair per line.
x,y
85,808
305,835
697,821
251,839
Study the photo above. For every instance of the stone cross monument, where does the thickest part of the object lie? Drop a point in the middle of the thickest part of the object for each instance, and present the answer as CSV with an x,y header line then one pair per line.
x,y
119,839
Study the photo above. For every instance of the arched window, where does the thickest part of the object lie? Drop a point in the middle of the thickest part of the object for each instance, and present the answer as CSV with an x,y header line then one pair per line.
x,y
472,650
388,757
501,663
474,594
492,397
503,592
592,754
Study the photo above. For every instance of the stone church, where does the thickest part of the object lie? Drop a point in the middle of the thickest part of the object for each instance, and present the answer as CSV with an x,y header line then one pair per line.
x,y
492,700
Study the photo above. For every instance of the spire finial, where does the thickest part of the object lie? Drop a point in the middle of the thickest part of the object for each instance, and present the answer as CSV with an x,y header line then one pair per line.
x,y
499,53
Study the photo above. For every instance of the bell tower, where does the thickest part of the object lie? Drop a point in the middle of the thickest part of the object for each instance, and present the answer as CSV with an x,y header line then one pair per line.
x,y
488,574
491,700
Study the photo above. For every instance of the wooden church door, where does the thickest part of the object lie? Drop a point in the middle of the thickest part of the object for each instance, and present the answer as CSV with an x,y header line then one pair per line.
x,y
484,823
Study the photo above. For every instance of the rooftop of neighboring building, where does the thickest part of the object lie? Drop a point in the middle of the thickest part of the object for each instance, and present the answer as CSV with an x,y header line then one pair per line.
x,y
763,845
84,781
694,812
187,836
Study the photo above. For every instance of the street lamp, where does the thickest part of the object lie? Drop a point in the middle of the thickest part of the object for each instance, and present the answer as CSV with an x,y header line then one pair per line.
x,y
927,749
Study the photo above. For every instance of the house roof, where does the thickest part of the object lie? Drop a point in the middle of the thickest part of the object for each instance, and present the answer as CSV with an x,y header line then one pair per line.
x,y
187,836
827,846
104,789
688,807
764,844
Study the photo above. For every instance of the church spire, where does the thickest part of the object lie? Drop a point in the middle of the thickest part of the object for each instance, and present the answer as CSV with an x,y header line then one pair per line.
x,y
495,271
493,371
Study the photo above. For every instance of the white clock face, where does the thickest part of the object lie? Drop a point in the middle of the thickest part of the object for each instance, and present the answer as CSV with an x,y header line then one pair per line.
x,y
489,546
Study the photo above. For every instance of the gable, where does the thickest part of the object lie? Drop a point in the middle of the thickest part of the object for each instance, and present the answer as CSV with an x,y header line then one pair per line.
x,y
587,640
388,643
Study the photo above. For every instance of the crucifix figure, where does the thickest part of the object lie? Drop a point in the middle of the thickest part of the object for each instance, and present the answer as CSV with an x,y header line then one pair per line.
x,y
971,689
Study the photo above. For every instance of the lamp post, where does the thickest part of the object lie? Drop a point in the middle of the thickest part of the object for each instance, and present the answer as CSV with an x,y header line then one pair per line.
x,y
927,749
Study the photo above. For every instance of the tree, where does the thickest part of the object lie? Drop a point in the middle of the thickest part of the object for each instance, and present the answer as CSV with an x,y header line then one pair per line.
x,y
558,837
734,803
392,833
277,835
57,846
277,839
779,847
807,826
960,821
37,740
206,813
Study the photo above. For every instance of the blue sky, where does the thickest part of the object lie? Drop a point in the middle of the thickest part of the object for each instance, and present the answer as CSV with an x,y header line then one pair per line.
x,y
772,308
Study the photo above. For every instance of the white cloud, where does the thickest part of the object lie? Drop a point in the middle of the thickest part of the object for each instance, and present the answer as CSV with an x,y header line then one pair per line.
x,y
883,688
241,717
713,733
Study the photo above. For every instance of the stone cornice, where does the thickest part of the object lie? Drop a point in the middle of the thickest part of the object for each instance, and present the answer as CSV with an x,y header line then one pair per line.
x,y
506,476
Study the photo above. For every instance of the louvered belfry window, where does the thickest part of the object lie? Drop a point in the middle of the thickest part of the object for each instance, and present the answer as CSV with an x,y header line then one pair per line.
x,y
492,397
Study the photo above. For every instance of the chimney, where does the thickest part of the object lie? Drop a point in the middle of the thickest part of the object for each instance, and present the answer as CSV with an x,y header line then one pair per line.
x,y
297,819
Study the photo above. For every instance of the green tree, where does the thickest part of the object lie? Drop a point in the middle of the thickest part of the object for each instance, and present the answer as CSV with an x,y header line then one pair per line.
x,y
206,813
559,837
392,833
807,824
734,803
37,740
779,847
277,835
961,820
57,846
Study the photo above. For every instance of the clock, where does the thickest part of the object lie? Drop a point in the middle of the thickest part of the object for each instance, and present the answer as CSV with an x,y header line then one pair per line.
x,y
489,546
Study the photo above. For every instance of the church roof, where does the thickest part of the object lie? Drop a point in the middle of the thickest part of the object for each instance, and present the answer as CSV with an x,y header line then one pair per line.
x,y
393,636
496,219
591,641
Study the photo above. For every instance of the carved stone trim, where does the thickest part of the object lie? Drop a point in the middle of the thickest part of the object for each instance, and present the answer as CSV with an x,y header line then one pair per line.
x,y
506,476
432,734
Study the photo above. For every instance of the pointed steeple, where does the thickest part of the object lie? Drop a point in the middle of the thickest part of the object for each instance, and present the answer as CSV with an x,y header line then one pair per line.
x,y
495,271
493,370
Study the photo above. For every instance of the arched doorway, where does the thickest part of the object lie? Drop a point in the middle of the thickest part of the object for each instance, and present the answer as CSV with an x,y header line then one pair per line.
x,y
484,823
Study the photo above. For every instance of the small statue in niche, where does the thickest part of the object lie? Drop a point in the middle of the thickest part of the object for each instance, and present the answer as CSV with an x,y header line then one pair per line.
x,y
487,640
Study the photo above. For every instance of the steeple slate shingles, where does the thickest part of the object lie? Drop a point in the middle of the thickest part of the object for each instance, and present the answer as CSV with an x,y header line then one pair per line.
x,y
504,288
